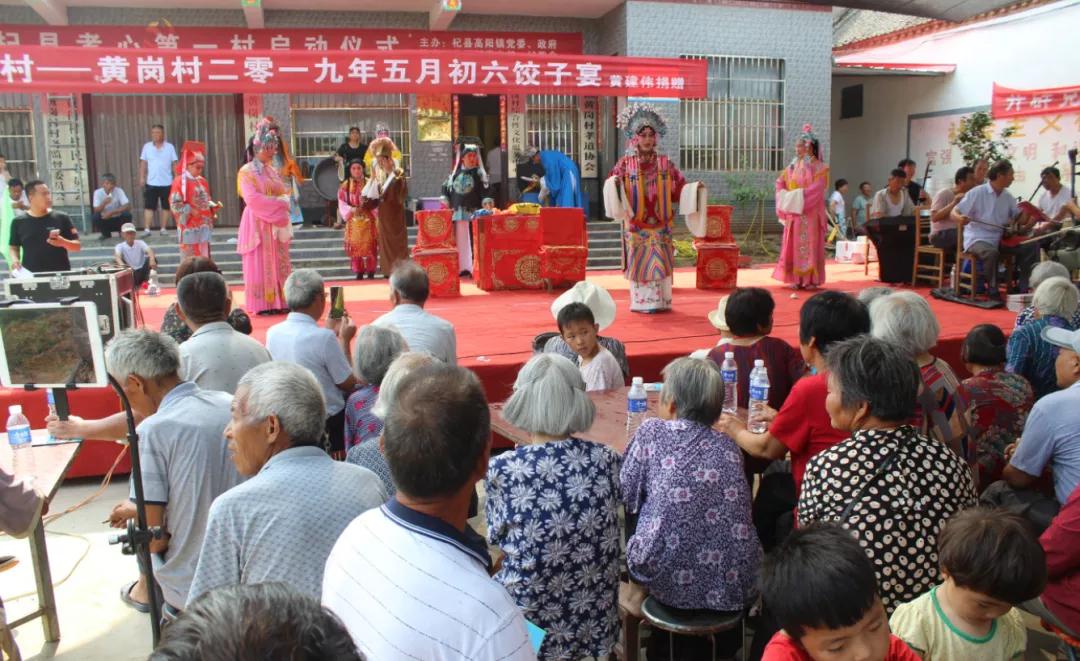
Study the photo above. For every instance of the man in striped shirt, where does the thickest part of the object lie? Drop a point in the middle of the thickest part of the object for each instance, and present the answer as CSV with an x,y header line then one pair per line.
x,y
411,580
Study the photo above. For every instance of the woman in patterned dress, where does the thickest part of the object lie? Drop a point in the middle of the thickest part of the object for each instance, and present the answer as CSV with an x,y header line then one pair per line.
x,y
265,233
361,233
892,487
650,183
802,252
552,506
376,348
1055,302
695,546
995,403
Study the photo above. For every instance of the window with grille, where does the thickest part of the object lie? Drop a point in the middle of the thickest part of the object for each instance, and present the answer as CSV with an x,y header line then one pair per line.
x,y
551,122
17,143
740,125
320,123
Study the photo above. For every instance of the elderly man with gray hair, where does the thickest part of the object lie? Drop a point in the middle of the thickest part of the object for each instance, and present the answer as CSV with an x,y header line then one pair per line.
x,y
217,355
423,331
324,351
281,524
184,457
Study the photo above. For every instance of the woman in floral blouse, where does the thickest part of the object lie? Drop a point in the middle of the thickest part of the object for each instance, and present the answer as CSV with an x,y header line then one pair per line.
x,y
995,403
695,546
892,487
552,506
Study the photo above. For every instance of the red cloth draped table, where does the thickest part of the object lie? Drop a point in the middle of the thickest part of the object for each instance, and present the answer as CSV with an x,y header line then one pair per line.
x,y
507,254
565,252
436,252
717,253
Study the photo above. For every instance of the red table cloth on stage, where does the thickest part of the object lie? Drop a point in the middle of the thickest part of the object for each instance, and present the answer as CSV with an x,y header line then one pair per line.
x,y
434,230
718,227
507,254
717,254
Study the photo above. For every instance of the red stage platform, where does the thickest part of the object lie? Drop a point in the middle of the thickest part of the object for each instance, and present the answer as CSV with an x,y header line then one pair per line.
x,y
495,330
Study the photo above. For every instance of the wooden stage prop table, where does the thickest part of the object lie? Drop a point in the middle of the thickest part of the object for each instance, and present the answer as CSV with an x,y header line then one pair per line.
x,y
51,464
542,251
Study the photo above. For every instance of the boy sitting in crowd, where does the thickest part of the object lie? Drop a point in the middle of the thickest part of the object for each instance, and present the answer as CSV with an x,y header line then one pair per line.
x,y
990,561
136,254
820,587
579,329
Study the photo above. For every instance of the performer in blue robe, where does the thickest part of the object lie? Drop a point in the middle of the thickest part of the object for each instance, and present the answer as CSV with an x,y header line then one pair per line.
x,y
562,179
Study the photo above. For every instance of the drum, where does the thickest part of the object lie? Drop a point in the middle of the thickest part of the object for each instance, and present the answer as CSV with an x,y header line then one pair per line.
x,y
325,179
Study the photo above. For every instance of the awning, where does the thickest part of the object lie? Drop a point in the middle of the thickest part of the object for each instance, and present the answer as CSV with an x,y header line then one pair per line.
x,y
890,69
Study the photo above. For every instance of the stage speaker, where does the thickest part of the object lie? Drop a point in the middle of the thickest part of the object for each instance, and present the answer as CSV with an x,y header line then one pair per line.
x,y
112,291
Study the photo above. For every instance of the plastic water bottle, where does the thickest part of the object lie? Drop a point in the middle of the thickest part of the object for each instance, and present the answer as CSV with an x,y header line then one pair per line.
x,y
637,403
730,373
20,439
759,397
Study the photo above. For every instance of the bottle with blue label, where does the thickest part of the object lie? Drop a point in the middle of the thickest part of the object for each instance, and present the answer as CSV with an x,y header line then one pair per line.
x,y
729,371
21,440
50,398
637,403
759,398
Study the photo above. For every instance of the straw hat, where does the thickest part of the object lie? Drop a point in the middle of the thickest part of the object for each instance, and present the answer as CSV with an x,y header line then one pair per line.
x,y
596,298
716,317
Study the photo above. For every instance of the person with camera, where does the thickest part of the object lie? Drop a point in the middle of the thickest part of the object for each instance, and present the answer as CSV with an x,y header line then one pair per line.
x,y
42,238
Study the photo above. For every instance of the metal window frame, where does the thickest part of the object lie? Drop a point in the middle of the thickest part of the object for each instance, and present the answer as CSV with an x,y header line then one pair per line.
x,y
32,136
401,134
722,133
552,121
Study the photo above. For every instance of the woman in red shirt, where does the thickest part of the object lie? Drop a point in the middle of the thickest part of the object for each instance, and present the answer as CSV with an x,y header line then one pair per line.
x,y
802,425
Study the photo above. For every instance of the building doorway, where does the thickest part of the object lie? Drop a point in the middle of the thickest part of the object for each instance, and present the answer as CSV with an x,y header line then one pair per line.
x,y
480,116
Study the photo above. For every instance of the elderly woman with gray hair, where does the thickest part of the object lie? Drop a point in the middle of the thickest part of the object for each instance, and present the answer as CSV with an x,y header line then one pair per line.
x,y
1027,354
376,349
891,486
369,454
905,320
552,506
695,546
1042,272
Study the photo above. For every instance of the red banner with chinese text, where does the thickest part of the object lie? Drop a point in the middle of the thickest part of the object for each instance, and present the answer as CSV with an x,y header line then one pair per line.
x,y
127,71
1010,102
163,36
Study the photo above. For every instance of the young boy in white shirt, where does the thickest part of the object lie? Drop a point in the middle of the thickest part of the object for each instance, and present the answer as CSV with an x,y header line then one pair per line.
x,y
135,253
598,366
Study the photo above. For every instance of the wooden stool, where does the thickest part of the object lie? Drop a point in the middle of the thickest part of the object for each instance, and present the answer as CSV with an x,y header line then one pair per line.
x,y
631,595
693,623
969,282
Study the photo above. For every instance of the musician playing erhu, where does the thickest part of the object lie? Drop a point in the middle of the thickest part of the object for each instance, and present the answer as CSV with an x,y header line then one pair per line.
x,y
987,212
1056,202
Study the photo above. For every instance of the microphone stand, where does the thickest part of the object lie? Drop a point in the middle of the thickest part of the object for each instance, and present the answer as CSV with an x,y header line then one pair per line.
x,y
136,541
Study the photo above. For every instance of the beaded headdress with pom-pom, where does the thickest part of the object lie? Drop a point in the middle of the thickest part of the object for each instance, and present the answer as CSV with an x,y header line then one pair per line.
x,y
639,115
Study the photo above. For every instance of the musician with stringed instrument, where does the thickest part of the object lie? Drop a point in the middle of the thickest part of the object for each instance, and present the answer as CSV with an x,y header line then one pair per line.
x,y
994,225
1055,204
915,189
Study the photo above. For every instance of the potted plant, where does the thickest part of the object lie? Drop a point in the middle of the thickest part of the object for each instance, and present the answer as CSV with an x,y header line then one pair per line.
x,y
747,193
974,138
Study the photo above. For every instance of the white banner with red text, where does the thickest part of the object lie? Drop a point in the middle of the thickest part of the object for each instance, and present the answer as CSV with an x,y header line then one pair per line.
x,y
128,71
164,36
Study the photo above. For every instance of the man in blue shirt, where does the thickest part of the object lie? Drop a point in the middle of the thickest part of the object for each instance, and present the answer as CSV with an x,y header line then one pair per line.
x,y
1052,431
985,212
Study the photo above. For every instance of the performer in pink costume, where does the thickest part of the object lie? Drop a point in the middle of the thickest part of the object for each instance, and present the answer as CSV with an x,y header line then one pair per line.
x,y
802,254
265,230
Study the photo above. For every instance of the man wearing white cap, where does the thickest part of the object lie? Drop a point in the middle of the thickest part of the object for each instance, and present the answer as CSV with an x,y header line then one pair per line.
x,y
1052,432
134,253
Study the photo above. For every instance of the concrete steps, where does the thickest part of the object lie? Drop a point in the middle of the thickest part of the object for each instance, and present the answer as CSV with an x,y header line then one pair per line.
x,y
319,248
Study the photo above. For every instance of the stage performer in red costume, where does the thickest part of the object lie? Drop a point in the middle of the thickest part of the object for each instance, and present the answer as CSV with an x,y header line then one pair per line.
x,y
802,254
647,185
265,232
189,201
355,208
